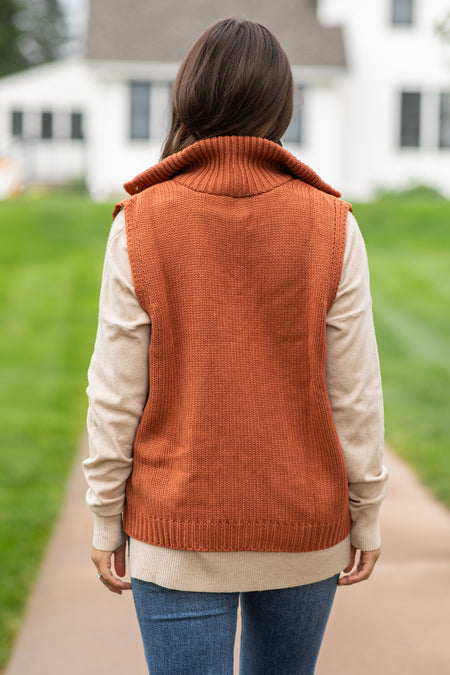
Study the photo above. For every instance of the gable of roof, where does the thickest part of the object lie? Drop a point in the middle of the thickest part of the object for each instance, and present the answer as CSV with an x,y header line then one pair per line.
x,y
164,30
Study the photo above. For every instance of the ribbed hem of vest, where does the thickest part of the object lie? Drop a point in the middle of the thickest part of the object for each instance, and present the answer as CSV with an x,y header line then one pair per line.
x,y
225,536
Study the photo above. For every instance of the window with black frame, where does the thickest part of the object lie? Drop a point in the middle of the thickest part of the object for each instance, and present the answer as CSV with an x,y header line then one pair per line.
x,y
410,119
46,125
76,126
294,133
17,123
140,92
444,120
402,12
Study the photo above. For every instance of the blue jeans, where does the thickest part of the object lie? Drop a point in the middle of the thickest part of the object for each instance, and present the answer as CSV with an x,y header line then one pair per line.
x,y
191,633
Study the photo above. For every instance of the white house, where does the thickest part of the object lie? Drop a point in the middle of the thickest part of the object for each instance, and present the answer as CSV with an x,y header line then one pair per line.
x,y
43,113
135,50
396,94
374,76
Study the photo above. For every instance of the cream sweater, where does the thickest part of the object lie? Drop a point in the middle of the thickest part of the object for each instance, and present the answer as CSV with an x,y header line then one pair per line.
x,y
118,388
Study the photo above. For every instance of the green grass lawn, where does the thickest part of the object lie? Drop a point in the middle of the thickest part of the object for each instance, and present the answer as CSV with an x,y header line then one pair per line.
x,y
408,242
50,268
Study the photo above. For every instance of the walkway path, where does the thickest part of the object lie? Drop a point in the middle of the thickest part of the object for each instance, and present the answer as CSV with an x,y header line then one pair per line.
x,y
397,622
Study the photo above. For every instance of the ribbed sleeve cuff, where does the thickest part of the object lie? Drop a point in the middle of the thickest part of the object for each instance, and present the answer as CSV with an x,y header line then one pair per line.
x,y
365,534
108,532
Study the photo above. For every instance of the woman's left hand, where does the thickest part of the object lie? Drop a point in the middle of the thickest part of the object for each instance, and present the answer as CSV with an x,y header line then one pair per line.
x,y
103,562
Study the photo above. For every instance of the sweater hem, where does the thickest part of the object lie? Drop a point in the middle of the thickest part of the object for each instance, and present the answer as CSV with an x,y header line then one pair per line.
x,y
234,572
235,536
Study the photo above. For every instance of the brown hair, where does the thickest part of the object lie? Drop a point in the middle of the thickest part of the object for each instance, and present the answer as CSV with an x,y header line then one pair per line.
x,y
235,80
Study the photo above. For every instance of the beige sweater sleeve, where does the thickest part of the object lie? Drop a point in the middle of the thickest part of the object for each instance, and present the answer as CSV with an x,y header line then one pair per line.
x,y
117,391
118,388
354,389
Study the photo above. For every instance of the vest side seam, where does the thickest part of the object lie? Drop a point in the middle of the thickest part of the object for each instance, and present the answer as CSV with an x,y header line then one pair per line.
x,y
136,262
340,230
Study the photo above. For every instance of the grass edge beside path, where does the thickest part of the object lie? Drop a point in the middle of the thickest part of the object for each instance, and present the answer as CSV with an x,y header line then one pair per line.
x,y
51,264
408,244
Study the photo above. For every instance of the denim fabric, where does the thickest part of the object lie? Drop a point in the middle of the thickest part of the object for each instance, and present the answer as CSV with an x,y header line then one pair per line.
x,y
192,633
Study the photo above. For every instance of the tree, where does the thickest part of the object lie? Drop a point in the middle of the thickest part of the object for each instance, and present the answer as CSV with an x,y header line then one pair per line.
x,y
443,28
11,57
31,32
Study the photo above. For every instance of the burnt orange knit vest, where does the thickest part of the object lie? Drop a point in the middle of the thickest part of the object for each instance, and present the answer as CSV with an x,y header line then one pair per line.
x,y
236,251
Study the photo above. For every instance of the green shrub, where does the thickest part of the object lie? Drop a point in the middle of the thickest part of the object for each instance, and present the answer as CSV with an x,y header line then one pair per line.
x,y
415,192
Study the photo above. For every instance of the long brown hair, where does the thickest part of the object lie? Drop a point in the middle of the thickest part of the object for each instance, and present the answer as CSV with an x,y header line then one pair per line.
x,y
235,80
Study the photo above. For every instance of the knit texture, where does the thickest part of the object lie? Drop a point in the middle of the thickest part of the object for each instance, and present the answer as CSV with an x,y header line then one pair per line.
x,y
236,251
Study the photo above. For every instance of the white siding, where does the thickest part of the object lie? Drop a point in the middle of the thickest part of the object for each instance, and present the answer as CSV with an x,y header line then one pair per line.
x,y
114,157
385,60
60,88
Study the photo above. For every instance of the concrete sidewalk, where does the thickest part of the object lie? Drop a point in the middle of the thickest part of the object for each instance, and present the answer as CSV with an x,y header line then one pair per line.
x,y
397,622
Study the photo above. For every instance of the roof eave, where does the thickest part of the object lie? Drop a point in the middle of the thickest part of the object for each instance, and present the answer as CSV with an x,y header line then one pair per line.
x,y
164,71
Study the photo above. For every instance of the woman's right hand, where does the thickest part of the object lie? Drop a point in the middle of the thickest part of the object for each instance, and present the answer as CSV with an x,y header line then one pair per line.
x,y
364,569
103,562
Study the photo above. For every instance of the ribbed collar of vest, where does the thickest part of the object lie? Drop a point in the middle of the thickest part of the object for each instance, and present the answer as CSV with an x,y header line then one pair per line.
x,y
236,166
